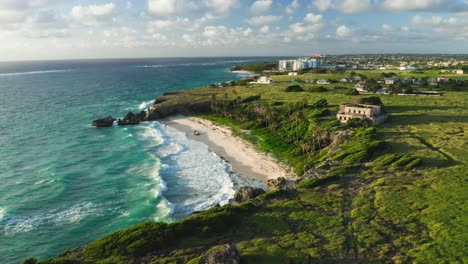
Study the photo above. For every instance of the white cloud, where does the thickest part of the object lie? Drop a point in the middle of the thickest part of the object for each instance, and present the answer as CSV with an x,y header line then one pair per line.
x,y
300,28
11,16
425,5
170,7
262,20
265,29
354,6
177,24
322,5
387,28
343,32
405,29
93,14
312,18
220,6
260,6
162,7
291,8
435,21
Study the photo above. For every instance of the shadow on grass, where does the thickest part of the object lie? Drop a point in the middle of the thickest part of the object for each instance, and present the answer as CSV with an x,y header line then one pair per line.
x,y
408,108
420,119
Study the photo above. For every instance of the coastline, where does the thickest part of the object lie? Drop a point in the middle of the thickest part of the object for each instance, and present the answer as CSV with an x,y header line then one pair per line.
x,y
244,72
245,160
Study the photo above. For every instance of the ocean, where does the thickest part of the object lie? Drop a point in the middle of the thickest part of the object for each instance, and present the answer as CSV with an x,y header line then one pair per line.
x,y
65,183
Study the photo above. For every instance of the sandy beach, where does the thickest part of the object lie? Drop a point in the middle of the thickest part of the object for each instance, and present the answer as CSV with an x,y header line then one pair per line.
x,y
243,157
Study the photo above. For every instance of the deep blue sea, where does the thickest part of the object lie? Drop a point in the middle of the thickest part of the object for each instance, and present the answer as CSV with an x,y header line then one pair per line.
x,y
64,183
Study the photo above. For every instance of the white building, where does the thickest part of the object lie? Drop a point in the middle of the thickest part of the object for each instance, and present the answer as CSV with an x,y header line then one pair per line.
x,y
264,80
323,81
298,64
390,81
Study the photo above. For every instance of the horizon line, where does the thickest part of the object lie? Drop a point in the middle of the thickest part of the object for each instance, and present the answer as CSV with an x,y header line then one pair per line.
x,y
234,56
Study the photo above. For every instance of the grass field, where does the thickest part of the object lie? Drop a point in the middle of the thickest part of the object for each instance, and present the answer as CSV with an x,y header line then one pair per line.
x,y
376,214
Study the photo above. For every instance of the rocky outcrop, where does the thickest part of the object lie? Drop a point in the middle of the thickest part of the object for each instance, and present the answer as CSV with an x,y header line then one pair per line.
x,y
156,111
246,193
279,183
225,254
132,119
104,122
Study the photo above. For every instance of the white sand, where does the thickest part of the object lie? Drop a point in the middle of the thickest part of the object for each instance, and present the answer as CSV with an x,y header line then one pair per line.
x,y
243,157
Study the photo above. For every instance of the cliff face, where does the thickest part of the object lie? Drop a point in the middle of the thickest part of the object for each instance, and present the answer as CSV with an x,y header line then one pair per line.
x,y
169,104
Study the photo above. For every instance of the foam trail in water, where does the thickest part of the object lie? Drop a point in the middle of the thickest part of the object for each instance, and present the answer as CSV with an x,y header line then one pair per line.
x,y
32,72
150,66
21,224
2,213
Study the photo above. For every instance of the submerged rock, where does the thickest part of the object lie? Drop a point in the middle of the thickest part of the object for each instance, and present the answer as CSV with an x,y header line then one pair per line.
x,y
246,193
225,254
104,122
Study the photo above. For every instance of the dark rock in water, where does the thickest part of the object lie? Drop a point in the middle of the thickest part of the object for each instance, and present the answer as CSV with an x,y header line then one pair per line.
x,y
104,122
236,68
129,116
226,254
127,122
132,119
279,183
141,116
246,193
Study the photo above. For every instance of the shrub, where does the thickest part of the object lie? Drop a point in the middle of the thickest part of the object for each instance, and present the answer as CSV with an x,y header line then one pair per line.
x,y
413,164
30,260
352,91
318,89
251,99
294,88
372,100
310,183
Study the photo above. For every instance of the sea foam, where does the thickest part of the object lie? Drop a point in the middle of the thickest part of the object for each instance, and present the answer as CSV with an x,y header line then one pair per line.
x,y
33,72
145,105
22,224
196,178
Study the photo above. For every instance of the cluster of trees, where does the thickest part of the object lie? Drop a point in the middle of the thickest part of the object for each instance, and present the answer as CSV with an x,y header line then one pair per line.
x,y
291,130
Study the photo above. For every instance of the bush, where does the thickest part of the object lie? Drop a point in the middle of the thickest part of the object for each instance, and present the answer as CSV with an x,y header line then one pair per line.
x,y
30,260
310,183
318,89
251,99
352,91
294,88
372,100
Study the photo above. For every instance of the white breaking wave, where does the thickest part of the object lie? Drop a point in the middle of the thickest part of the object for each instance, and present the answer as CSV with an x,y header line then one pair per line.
x,y
150,66
33,72
145,105
2,213
200,176
23,224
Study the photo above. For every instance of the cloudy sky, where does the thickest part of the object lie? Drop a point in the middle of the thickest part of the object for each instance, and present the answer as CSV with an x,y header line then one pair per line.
x,y
61,29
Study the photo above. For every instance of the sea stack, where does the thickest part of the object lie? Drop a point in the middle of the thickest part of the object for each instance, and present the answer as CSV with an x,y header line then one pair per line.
x,y
104,122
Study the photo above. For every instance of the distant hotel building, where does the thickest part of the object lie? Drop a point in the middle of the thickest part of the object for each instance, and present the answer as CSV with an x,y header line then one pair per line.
x,y
298,64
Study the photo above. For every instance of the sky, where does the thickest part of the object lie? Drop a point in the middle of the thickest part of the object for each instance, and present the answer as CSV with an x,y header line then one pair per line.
x,y
79,29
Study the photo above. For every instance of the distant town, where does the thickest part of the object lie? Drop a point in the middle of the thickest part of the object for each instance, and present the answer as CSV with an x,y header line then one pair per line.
x,y
374,74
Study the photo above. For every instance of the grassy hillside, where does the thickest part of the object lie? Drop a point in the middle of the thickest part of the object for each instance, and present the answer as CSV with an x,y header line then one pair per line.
x,y
394,194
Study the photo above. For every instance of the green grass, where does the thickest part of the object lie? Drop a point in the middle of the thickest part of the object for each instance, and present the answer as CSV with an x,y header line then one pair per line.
x,y
399,196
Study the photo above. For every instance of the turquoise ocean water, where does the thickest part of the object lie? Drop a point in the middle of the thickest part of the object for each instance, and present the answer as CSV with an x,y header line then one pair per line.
x,y
64,183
